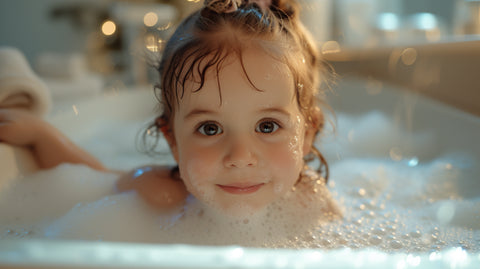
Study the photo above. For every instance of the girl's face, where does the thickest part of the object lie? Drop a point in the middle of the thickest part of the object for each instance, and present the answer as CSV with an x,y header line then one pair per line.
x,y
238,148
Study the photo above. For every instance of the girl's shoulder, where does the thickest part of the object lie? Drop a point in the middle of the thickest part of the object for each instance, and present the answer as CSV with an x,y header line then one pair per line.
x,y
158,186
313,193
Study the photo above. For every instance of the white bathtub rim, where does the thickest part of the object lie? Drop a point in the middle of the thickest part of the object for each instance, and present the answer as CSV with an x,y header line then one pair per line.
x,y
84,254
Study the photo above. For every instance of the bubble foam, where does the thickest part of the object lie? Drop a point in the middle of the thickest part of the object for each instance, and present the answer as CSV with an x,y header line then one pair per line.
x,y
392,204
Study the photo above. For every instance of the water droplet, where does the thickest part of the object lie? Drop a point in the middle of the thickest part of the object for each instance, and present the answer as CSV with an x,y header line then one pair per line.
x,y
375,240
416,234
362,192
378,231
395,244
391,238
370,214
310,238
325,242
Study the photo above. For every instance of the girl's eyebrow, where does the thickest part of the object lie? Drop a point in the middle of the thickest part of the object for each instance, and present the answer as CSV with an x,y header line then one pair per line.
x,y
197,112
276,110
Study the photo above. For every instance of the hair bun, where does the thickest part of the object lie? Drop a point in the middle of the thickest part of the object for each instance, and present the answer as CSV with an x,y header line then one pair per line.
x,y
222,6
285,9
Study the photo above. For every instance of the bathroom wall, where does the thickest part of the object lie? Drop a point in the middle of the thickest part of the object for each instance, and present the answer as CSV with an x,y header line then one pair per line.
x,y
444,71
441,8
28,25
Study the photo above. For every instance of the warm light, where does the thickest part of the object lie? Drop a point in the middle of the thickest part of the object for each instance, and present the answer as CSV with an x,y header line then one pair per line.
x,y
165,27
330,47
150,19
108,28
151,43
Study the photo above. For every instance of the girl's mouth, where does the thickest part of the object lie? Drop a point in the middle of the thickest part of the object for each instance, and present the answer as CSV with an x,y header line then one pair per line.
x,y
241,189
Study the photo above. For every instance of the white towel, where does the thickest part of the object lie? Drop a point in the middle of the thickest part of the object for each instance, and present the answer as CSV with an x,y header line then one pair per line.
x,y
19,85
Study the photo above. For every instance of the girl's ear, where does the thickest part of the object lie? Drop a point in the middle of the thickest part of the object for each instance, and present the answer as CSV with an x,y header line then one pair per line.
x,y
313,124
167,132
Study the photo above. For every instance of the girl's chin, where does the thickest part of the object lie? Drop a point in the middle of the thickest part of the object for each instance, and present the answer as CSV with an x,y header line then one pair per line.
x,y
238,210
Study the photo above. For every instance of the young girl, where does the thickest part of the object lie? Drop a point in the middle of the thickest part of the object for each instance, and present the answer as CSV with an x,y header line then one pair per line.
x,y
238,86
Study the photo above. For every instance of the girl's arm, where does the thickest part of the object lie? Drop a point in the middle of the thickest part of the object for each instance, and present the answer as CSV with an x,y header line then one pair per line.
x,y
49,146
156,185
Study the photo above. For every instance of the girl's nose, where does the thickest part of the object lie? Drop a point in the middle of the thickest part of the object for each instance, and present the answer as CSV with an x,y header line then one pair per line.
x,y
240,154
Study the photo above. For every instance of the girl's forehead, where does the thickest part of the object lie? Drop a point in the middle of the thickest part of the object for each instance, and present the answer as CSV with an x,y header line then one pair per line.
x,y
253,64
255,75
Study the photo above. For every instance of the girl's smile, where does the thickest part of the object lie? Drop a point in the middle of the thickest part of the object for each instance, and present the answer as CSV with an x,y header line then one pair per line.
x,y
241,188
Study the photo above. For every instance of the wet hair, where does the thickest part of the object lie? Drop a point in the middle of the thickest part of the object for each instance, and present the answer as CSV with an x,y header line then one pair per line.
x,y
204,40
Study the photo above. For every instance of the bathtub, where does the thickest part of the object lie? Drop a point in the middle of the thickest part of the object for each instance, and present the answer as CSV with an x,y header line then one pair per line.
x,y
378,126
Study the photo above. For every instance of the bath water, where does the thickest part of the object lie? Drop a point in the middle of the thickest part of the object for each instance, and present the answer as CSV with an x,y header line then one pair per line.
x,y
393,202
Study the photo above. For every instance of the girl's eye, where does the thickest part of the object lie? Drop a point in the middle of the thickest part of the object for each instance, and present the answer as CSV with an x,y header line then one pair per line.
x,y
267,127
210,129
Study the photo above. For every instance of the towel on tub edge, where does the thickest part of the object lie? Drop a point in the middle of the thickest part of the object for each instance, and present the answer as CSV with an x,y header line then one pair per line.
x,y
20,87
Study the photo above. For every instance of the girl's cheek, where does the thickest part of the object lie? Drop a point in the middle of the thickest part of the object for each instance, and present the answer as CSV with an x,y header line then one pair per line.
x,y
199,165
286,157
286,168
290,150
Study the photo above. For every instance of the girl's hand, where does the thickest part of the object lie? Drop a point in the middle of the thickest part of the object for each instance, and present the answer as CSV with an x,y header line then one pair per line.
x,y
49,146
21,128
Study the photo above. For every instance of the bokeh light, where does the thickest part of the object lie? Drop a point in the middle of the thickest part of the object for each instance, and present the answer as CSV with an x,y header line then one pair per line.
x,y
109,28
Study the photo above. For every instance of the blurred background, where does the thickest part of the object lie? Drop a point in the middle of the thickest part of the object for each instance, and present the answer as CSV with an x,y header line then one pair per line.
x,y
116,42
